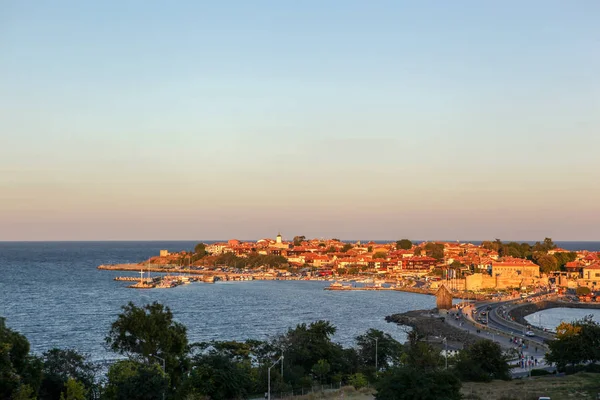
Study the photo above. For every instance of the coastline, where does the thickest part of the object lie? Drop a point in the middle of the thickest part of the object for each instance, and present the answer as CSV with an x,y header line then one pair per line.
x,y
227,276
432,328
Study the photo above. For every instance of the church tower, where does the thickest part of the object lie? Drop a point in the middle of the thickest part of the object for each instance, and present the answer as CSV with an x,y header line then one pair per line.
x,y
279,238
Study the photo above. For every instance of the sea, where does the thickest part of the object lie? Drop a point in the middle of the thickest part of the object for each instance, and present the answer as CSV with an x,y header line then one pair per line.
x,y
53,293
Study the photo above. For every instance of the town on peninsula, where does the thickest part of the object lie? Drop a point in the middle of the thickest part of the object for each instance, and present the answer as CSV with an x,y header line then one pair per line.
x,y
464,268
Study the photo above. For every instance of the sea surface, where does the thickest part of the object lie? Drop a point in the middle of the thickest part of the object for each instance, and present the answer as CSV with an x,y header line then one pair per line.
x,y
552,317
53,293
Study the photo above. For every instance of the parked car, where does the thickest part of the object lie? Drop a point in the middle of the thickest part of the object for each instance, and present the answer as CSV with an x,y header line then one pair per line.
x,y
529,333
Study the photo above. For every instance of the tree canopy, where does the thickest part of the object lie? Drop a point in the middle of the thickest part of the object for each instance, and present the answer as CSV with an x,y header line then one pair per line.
x,y
20,372
148,334
576,343
481,362
404,244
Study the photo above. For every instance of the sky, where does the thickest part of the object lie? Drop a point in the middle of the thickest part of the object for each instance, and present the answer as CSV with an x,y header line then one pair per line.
x,y
141,120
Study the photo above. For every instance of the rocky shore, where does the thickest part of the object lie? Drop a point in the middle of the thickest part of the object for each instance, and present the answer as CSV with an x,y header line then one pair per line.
x,y
432,327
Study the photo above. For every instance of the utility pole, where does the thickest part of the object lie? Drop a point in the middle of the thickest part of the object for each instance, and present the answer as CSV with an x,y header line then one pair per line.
x,y
446,351
269,376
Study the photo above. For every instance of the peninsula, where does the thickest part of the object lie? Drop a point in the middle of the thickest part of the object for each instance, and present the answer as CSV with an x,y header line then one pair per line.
x,y
465,268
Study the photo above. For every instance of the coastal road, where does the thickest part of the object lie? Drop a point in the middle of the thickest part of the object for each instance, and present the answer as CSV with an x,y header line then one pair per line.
x,y
502,330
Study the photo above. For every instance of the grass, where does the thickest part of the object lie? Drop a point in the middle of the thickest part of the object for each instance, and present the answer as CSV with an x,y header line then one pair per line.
x,y
572,387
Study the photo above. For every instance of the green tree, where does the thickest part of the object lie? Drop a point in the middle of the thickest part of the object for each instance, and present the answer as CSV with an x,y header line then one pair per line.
x,y
435,250
321,369
148,334
369,249
404,244
298,240
62,365
481,362
406,383
389,351
129,379
346,247
357,380
74,390
546,262
583,291
20,372
219,376
380,254
200,250
303,347
564,257
577,342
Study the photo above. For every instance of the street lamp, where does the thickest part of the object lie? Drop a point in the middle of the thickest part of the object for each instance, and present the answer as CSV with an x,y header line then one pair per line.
x,y
164,370
446,350
269,376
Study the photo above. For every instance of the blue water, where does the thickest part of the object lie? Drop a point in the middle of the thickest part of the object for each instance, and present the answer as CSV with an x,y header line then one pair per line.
x,y
54,294
552,317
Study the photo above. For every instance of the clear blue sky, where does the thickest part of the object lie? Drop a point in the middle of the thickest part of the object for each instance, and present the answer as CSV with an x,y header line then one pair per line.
x,y
353,119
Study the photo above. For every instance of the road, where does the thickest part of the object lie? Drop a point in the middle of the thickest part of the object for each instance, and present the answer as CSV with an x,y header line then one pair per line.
x,y
503,331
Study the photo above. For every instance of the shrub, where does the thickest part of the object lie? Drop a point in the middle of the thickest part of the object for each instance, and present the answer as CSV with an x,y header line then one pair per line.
x,y
357,380
540,372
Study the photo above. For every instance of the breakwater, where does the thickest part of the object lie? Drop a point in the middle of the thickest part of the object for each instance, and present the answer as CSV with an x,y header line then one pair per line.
x,y
519,312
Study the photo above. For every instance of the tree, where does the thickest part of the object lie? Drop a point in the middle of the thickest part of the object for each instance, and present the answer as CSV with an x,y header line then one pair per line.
x,y
583,291
62,365
305,345
74,390
389,351
145,333
563,258
200,250
346,247
298,240
481,362
435,250
380,254
358,380
404,244
20,372
219,377
129,379
546,262
408,383
575,343
321,369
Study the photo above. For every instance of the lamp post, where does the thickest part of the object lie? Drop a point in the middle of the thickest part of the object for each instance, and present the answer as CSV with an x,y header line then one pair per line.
x,y
164,370
446,351
269,376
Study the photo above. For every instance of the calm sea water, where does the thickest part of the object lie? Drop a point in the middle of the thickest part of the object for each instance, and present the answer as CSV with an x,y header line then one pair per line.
x,y
54,294
552,317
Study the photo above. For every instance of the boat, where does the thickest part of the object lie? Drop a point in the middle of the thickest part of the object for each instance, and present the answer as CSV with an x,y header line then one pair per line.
x,y
338,286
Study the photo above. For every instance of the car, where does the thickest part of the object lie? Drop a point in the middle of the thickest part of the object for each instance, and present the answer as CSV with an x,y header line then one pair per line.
x,y
544,398
529,333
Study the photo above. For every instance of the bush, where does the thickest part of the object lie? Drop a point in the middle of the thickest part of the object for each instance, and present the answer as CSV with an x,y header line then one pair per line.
x,y
540,372
357,380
